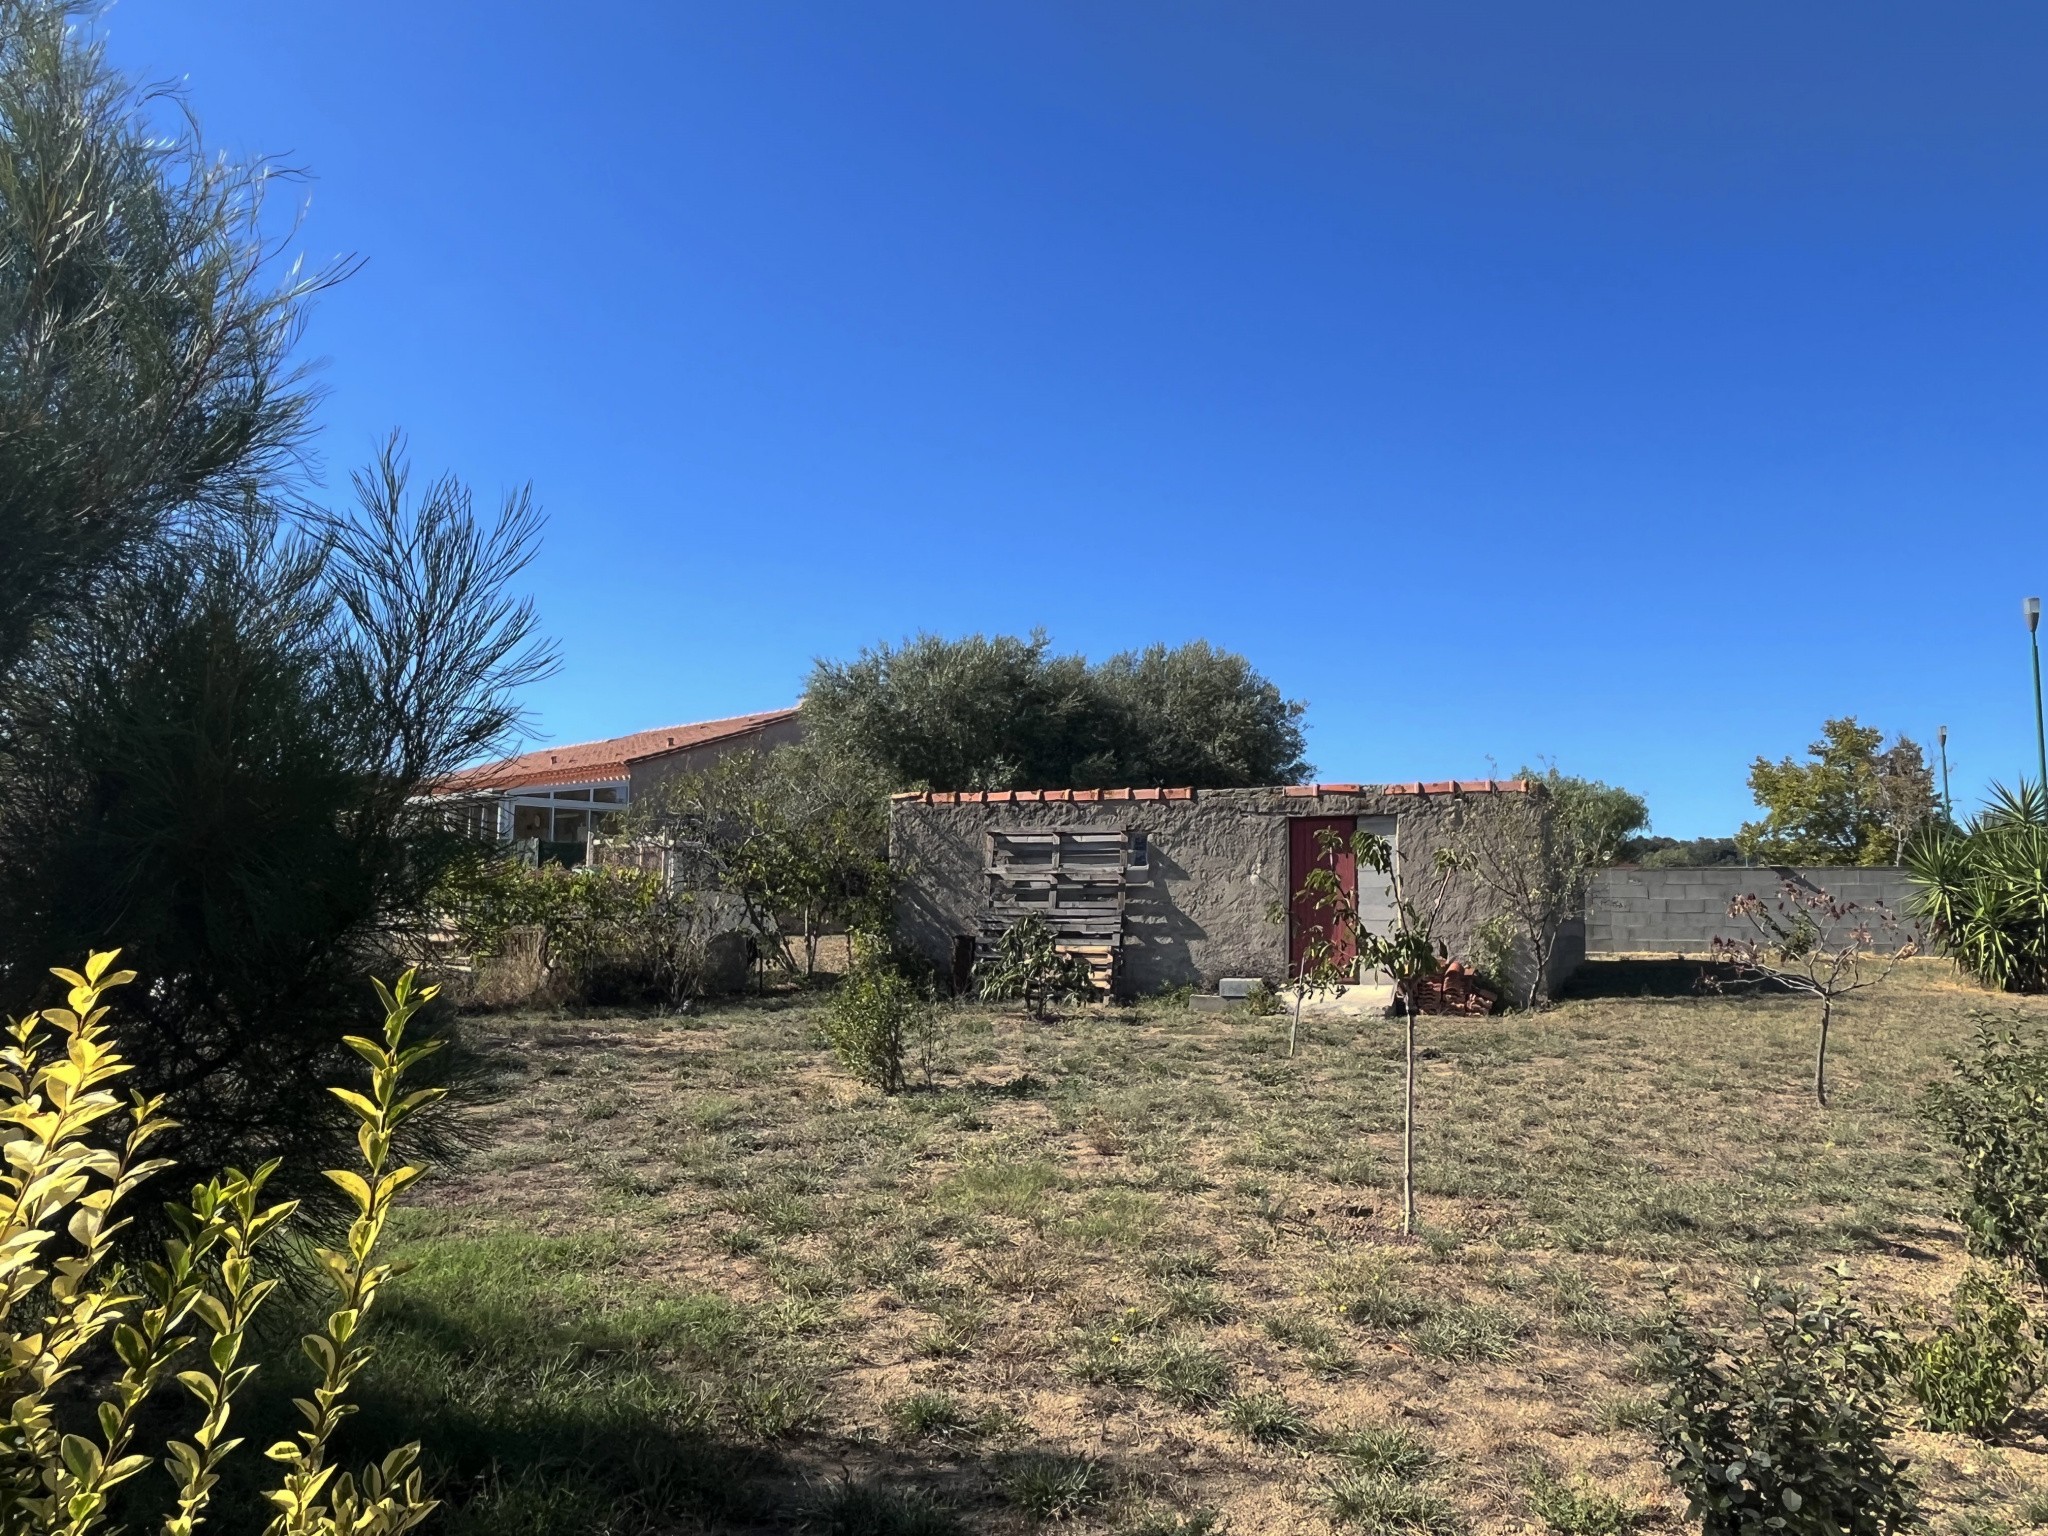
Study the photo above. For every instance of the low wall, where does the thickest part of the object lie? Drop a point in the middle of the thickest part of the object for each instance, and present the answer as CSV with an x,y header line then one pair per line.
x,y
1219,866
1682,911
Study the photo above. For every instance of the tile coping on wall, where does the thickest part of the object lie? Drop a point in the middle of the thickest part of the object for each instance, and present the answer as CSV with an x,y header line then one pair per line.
x,y
1092,796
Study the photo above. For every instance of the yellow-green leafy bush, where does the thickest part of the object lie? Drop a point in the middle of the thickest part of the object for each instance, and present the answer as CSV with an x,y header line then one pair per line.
x,y
89,1341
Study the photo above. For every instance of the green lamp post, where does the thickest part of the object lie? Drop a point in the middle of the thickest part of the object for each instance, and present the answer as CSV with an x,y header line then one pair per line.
x,y
1948,806
2032,608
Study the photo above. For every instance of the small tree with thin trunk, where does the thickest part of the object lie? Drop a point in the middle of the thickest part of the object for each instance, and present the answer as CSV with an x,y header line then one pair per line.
x,y
1812,945
1536,857
1029,964
1406,952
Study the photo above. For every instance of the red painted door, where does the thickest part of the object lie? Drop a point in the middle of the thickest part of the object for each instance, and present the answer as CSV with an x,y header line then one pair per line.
x,y
1306,851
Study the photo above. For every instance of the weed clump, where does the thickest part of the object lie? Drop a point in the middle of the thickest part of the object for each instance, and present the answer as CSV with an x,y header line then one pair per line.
x,y
1188,1375
1383,1450
1268,1418
928,1415
1197,1301
1318,1342
1048,1486
1385,1506
1468,1335
1575,1507
848,1508
1367,1292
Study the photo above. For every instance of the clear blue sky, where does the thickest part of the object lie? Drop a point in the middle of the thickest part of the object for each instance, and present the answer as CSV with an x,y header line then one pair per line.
x,y
1631,385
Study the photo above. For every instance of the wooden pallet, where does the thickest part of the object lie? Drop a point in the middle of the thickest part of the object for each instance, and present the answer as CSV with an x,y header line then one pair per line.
x,y
1075,879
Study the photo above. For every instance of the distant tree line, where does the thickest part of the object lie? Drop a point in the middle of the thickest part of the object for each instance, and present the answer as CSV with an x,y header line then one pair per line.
x,y
1677,853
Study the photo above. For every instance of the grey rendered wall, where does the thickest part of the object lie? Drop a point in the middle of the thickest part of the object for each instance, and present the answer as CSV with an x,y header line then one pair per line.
x,y
1219,870
1682,911
645,777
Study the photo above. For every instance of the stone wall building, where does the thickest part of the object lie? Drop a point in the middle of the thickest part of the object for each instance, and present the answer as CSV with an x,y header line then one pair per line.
x,y
1186,885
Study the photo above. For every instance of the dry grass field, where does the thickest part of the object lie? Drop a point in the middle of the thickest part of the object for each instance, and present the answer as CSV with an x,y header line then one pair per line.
x,y
1137,1271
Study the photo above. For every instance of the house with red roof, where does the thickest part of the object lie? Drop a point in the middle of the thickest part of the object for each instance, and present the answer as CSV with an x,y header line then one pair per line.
x,y
568,794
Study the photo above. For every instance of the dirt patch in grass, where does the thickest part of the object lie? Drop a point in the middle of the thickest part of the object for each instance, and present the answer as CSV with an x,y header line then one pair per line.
x,y
1137,1270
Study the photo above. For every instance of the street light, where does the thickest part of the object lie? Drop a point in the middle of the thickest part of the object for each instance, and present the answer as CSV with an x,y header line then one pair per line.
x,y
1948,806
2032,609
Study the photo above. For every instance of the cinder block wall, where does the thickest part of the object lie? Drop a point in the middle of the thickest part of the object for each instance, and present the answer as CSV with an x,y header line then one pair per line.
x,y
1682,911
1219,866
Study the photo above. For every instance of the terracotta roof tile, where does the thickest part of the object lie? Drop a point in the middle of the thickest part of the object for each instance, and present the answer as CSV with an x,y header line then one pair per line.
x,y
584,761
1300,791
1462,787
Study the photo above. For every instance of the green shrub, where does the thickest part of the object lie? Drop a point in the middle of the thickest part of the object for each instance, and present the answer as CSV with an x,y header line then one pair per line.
x,y
1029,964
1983,889
876,1018
129,1333
1785,1432
1973,1375
602,934
1990,1112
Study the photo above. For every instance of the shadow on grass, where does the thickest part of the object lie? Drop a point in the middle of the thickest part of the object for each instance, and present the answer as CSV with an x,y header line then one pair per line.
x,y
554,1393
1653,978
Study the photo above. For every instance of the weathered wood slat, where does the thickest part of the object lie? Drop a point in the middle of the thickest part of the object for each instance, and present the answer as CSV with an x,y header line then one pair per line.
x,y
1073,880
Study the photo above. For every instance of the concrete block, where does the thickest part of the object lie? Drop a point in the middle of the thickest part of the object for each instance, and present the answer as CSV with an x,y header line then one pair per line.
x,y
1236,988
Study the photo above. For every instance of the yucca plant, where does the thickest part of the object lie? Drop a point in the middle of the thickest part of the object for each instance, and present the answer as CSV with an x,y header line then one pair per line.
x,y
1983,889
77,1326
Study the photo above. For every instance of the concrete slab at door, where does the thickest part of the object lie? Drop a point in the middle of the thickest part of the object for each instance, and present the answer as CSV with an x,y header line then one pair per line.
x,y
1306,851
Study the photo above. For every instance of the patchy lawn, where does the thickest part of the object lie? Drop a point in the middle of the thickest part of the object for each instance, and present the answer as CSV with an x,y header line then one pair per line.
x,y
1138,1271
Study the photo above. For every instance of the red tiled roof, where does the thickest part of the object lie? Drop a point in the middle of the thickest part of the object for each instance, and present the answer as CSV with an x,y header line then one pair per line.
x,y
585,761
1091,796
1461,787
1039,796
